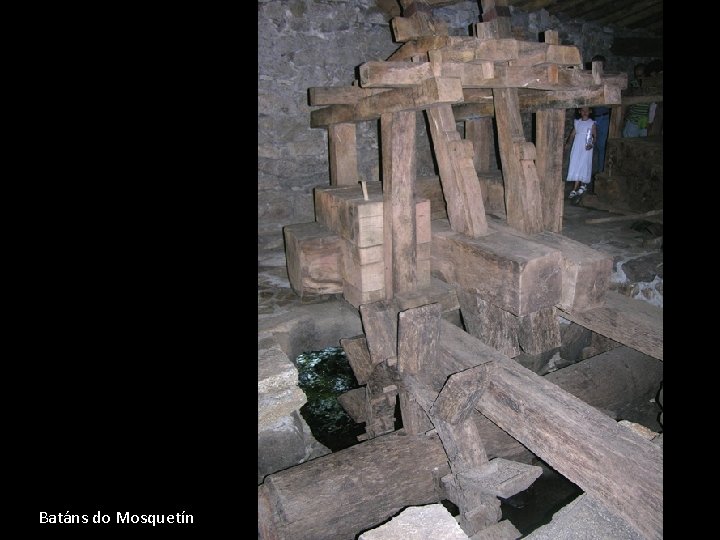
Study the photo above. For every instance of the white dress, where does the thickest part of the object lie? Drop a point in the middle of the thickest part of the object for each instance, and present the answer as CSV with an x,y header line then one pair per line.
x,y
580,159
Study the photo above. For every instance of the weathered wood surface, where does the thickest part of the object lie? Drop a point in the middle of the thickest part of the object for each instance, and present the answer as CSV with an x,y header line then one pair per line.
x,y
429,188
358,355
437,292
480,132
418,334
340,95
336,496
465,207
399,216
522,186
549,135
610,462
342,155
533,334
632,322
612,380
417,21
381,393
519,275
478,102
354,403
430,92
414,418
313,255
490,324
502,477
585,271
539,331
344,210
480,74
379,320
457,399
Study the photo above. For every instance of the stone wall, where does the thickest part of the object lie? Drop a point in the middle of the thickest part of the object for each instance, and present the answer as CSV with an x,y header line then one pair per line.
x,y
306,43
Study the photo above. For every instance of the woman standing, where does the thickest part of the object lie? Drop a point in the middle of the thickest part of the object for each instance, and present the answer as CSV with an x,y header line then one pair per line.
x,y
580,169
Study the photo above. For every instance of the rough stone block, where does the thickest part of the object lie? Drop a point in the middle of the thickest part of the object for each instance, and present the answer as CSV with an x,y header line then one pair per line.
x,y
419,523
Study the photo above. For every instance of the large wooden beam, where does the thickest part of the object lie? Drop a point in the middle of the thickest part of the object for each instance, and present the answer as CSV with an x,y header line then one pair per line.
x,y
632,322
606,460
343,493
399,219
478,101
480,132
480,74
342,155
314,259
549,134
429,92
417,21
522,186
517,274
464,197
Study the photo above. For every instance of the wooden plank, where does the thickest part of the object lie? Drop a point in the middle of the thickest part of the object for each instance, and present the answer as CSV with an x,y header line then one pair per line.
x,y
353,401
625,217
549,133
399,172
612,463
418,333
539,332
342,155
462,444
420,45
517,274
379,320
501,477
430,188
465,207
458,397
414,419
632,322
314,259
522,187
478,102
380,399
430,92
480,132
340,95
492,325
417,21
479,74
358,355
585,272
345,492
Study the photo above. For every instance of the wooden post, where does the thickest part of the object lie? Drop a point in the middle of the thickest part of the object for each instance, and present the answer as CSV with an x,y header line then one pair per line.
x,y
460,184
616,121
606,460
480,132
342,153
522,186
399,228
549,137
